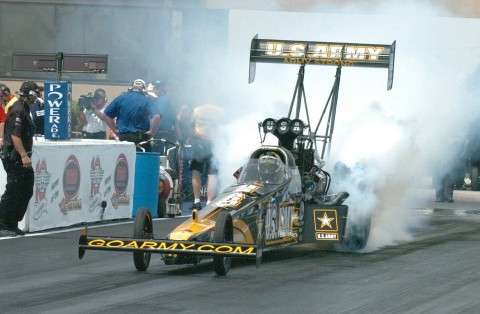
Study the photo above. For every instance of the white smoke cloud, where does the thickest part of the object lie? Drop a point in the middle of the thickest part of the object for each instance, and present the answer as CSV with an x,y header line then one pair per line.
x,y
400,134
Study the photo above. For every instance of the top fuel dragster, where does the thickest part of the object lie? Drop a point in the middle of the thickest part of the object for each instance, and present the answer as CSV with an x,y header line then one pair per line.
x,y
281,194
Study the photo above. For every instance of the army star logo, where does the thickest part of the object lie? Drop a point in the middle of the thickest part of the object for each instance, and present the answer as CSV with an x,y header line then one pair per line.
x,y
325,220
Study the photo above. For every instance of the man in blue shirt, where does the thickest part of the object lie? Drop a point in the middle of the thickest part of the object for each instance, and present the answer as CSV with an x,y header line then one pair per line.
x,y
137,118
168,117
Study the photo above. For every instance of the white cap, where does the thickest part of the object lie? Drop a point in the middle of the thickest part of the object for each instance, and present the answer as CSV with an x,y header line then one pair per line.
x,y
138,84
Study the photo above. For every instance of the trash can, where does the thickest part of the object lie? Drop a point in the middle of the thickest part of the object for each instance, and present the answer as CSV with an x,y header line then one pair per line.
x,y
147,170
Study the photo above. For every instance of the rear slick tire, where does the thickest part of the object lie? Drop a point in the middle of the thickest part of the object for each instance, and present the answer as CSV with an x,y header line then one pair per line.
x,y
223,234
356,235
143,229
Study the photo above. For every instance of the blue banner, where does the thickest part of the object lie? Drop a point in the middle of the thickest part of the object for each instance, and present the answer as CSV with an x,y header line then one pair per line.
x,y
58,104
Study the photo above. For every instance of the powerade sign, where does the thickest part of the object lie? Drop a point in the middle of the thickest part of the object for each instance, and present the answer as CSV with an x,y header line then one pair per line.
x,y
58,109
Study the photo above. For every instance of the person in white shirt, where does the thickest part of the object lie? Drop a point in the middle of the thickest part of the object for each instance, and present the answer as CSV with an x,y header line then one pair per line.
x,y
91,116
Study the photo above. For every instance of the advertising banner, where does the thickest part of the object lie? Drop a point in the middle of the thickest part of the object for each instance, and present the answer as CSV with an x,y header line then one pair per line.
x,y
58,108
73,178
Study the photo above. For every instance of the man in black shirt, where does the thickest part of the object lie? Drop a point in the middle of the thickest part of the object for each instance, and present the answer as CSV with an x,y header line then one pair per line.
x,y
18,142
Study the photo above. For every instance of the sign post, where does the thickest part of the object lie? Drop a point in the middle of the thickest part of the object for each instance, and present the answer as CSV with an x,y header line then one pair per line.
x,y
58,95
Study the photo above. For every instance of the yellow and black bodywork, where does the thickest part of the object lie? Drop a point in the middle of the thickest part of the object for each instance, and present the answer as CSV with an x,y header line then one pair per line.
x,y
264,214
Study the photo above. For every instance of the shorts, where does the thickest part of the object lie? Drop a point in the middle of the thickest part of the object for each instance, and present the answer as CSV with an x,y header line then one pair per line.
x,y
202,156
200,164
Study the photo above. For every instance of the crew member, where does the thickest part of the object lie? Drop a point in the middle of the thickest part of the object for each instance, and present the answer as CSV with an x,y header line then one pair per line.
x,y
168,122
91,116
38,114
206,121
133,111
16,153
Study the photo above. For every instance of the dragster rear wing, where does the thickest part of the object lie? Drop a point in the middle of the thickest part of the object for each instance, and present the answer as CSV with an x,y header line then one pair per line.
x,y
322,53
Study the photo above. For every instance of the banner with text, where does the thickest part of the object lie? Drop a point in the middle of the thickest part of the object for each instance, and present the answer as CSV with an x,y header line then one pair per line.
x,y
58,108
72,179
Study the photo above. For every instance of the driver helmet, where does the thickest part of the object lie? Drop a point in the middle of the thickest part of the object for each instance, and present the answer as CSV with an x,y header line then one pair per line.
x,y
268,165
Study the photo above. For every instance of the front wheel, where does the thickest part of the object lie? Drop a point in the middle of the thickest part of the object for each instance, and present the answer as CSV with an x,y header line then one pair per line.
x,y
223,234
143,229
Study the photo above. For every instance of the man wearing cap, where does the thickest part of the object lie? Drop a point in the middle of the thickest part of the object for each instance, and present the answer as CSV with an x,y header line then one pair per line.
x,y
18,143
133,111
13,99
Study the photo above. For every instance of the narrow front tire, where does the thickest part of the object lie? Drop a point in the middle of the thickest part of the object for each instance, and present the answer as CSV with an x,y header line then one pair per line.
x,y
143,229
223,234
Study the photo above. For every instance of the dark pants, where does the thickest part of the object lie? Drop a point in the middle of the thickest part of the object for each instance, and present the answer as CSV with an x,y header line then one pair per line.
x,y
17,194
136,138
443,187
